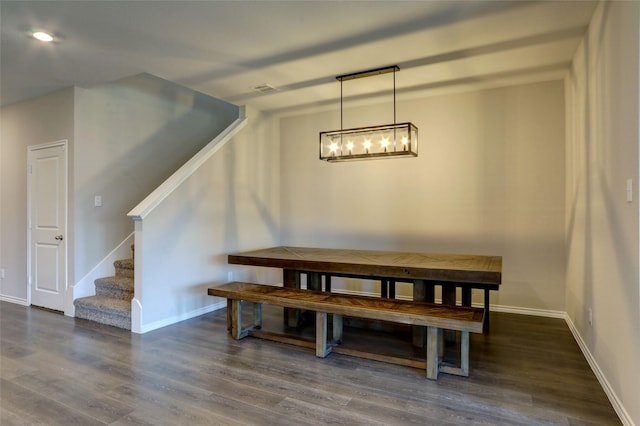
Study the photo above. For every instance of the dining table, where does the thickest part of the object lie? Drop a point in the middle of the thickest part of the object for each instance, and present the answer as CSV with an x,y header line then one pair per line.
x,y
425,271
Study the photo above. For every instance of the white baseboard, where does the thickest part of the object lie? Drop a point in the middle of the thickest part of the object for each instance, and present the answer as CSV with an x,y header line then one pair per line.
x,y
606,386
525,311
360,293
494,308
15,300
145,328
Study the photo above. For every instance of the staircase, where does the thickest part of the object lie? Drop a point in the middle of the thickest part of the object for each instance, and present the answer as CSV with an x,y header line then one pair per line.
x,y
112,303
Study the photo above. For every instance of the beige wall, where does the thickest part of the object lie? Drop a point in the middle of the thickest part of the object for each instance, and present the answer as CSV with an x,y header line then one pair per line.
x,y
231,203
131,135
489,179
125,138
602,227
45,119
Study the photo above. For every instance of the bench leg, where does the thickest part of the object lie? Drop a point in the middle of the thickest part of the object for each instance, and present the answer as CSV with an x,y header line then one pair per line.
x,y
337,328
434,335
229,315
322,349
464,353
236,320
257,315
463,370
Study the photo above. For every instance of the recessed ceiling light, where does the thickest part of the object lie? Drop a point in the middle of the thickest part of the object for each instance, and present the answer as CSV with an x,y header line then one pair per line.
x,y
43,36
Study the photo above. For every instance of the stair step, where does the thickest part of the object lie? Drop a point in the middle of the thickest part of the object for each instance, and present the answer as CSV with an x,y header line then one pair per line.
x,y
124,268
112,303
118,287
104,310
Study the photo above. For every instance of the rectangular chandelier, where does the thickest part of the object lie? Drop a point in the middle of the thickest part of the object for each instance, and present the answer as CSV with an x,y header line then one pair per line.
x,y
389,140
382,141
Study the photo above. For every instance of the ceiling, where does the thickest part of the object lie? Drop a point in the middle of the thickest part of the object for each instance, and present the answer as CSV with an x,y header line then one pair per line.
x,y
227,48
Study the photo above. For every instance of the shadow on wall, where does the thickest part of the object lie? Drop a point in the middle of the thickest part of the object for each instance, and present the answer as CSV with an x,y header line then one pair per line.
x,y
247,165
132,135
598,214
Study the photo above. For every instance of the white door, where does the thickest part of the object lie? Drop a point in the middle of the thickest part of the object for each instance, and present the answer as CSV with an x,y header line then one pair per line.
x,y
47,224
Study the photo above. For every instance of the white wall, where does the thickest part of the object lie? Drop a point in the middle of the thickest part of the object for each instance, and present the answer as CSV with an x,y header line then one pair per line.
x,y
45,119
489,179
125,138
602,227
231,203
130,136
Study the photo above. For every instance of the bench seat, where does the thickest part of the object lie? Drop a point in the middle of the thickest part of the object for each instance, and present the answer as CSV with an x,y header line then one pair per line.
x,y
434,317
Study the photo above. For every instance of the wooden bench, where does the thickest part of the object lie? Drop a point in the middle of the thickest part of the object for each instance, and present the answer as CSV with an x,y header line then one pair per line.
x,y
434,317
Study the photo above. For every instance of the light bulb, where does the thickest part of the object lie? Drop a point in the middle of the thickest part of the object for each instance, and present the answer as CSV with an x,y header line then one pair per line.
x,y
384,143
42,36
367,144
333,147
349,145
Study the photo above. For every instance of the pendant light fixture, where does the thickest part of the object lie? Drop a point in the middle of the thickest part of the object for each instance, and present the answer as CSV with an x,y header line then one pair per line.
x,y
383,141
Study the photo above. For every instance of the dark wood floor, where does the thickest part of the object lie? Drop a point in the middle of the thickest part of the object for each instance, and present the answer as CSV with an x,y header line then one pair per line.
x,y
57,370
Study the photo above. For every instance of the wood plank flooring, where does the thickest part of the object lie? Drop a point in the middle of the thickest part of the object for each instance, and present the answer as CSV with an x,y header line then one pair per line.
x,y
56,370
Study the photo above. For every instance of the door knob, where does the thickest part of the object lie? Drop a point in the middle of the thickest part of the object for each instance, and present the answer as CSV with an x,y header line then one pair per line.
x,y
59,237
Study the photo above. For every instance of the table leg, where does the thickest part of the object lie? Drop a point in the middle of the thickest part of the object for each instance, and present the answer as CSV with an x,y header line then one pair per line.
x,y
257,315
429,293
392,289
291,279
229,315
424,291
466,296
305,317
314,281
384,288
420,294
485,327
327,283
449,298
449,295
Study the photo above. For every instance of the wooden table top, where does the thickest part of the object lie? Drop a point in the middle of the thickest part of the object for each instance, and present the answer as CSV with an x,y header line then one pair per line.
x,y
460,268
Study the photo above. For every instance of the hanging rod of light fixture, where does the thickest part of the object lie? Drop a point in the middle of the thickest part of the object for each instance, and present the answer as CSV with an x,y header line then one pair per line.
x,y
382,141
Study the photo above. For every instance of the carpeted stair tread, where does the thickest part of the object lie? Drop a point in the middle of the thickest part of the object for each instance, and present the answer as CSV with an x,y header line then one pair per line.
x,y
105,310
115,306
112,303
124,263
117,287
124,283
124,267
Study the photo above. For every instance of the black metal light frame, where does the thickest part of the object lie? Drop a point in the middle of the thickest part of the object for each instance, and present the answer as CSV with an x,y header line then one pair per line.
x,y
394,140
